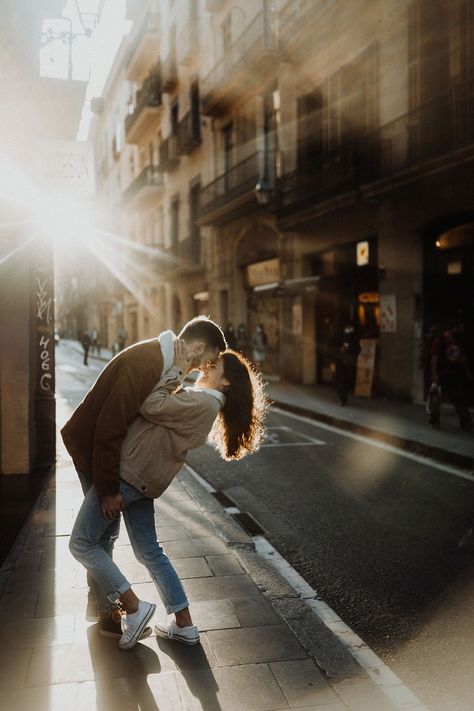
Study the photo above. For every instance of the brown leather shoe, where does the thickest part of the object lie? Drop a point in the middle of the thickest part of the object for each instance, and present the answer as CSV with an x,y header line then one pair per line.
x,y
110,625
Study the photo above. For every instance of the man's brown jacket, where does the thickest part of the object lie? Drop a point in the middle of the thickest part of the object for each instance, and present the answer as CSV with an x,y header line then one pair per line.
x,y
94,434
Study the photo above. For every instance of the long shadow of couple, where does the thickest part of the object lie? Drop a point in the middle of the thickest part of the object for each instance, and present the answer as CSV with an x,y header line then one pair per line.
x,y
122,680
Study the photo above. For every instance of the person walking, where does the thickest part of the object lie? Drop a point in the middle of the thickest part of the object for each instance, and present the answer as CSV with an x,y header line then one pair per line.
x,y
86,344
345,351
227,403
121,339
230,336
259,345
450,371
242,340
95,338
94,434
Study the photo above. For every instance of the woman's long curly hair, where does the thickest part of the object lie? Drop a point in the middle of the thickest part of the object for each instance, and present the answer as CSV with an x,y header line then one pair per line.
x,y
239,427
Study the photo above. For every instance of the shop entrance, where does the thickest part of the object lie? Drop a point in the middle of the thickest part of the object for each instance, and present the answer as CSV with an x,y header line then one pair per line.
x,y
449,282
348,292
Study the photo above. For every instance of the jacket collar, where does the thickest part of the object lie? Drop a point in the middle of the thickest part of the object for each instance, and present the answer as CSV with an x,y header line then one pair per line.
x,y
220,397
167,339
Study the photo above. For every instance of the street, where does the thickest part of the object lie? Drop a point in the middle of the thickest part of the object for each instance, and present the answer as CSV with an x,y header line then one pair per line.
x,y
372,531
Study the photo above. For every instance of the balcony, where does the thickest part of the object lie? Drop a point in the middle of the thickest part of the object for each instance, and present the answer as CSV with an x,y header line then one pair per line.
x,y
170,74
144,47
147,108
223,199
433,137
332,177
244,67
146,185
169,156
189,133
188,44
439,132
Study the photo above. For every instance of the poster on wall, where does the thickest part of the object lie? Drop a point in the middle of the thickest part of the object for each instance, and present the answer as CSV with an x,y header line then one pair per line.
x,y
365,367
388,313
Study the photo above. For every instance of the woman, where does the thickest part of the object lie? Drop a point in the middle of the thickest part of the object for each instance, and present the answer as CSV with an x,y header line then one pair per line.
x,y
227,404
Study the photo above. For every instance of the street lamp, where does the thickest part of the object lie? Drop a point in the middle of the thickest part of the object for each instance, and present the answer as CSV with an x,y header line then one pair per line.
x,y
88,21
263,191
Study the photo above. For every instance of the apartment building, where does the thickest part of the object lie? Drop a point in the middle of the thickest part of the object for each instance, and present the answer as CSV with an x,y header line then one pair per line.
x,y
300,164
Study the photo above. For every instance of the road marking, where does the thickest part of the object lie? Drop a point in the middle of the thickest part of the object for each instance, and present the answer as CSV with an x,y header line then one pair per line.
x,y
399,694
461,473
313,443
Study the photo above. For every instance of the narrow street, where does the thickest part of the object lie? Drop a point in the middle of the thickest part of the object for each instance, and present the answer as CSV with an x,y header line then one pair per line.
x,y
373,532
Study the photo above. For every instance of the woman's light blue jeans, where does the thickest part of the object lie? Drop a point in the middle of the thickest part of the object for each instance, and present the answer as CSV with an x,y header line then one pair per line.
x,y
85,545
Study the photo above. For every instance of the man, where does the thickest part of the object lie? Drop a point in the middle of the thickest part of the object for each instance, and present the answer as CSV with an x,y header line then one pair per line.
x,y
450,370
94,434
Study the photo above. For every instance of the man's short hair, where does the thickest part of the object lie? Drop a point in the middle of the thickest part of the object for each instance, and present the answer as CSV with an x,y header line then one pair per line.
x,y
201,328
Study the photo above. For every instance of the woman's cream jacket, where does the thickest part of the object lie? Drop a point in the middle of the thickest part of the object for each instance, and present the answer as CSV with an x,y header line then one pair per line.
x,y
169,425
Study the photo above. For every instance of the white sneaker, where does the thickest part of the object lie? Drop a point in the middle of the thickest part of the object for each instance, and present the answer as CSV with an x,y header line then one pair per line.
x,y
133,624
188,635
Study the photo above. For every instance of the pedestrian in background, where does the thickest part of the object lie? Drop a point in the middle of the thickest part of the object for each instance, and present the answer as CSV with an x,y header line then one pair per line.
x,y
242,340
121,339
345,347
95,341
229,334
86,344
259,345
449,370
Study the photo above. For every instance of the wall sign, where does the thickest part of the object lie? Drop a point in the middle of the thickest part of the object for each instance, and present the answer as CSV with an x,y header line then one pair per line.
x,y
388,313
265,272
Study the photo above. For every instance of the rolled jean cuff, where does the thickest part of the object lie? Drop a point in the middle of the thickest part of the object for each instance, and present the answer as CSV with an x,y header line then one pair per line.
x,y
172,609
114,596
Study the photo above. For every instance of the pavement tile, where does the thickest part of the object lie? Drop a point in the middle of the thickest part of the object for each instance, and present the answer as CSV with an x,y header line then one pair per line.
x,y
57,697
363,695
211,545
21,605
182,657
69,601
135,572
243,688
157,691
26,634
303,684
224,565
22,580
214,615
13,668
172,532
255,644
62,523
192,568
254,613
219,588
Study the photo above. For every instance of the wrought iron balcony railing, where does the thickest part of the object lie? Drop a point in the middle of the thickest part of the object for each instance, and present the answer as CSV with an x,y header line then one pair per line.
x,y
189,132
148,96
243,63
399,150
148,181
239,181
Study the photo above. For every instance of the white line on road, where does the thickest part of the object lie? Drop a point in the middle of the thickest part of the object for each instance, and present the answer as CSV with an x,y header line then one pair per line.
x,y
461,473
294,444
399,694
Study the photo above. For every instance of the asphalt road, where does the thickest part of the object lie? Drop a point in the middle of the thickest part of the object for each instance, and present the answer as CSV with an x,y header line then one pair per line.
x,y
373,532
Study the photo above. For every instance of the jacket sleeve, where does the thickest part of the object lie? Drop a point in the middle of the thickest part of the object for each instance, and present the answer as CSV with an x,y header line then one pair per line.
x,y
174,411
118,410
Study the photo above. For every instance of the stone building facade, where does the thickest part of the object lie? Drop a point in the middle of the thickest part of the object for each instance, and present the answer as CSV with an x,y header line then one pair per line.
x,y
300,165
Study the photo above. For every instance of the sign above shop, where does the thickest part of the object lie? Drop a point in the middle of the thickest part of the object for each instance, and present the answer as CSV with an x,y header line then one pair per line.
x,y
265,272
363,253
67,166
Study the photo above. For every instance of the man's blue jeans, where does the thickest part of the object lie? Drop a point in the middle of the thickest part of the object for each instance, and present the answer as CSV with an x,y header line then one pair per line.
x,y
110,535
86,546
